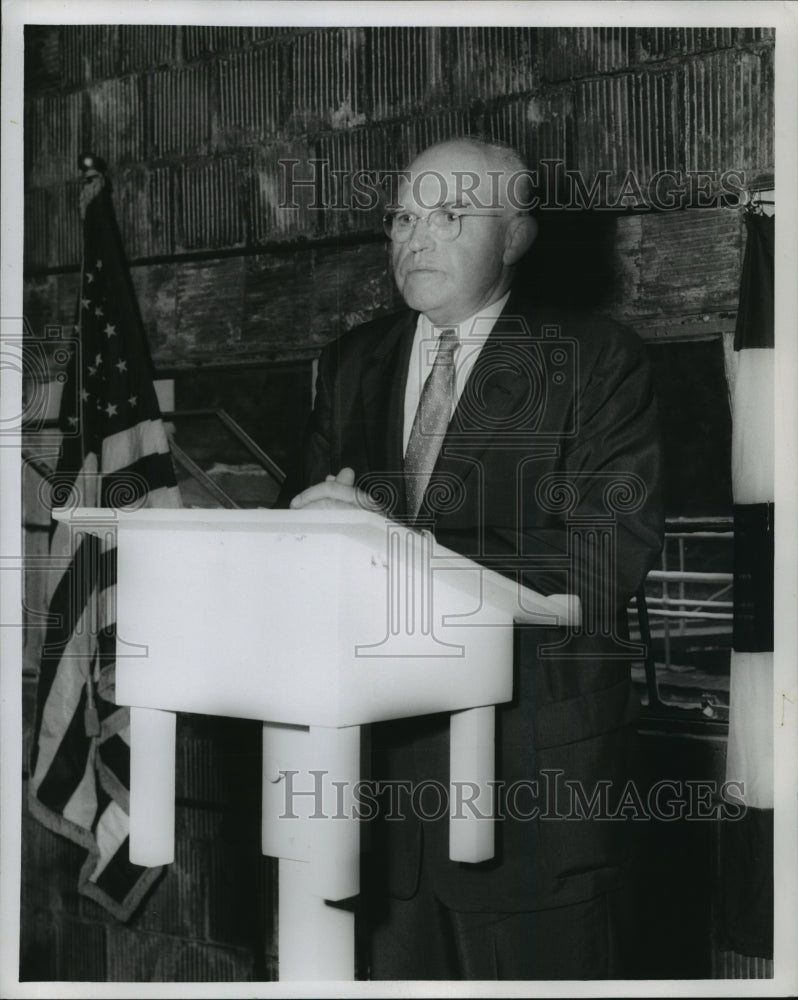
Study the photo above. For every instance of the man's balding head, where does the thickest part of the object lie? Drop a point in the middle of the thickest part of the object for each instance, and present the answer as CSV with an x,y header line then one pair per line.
x,y
488,174
451,279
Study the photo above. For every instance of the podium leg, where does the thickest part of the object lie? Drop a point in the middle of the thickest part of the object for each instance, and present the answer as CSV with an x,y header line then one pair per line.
x,y
152,787
315,941
308,809
472,758
335,850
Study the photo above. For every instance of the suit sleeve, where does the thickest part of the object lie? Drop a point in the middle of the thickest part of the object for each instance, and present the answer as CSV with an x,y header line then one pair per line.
x,y
598,516
314,459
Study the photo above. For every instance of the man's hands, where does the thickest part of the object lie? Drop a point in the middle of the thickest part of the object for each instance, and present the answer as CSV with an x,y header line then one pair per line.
x,y
335,491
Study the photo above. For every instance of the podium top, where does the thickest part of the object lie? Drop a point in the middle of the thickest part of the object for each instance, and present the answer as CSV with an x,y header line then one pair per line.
x,y
342,520
365,527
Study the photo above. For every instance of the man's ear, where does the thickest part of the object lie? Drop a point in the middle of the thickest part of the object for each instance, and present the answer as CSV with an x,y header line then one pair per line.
x,y
519,237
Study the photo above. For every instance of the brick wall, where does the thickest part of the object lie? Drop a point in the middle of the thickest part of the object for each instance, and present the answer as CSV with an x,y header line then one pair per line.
x,y
233,288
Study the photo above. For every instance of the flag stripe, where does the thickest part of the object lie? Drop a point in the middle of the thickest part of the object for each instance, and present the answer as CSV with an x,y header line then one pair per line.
x,y
117,876
110,831
92,570
753,577
749,758
64,695
137,441
753,435
55,788
116,757
748,889
129,485
69,603
756,313
82,804
106,640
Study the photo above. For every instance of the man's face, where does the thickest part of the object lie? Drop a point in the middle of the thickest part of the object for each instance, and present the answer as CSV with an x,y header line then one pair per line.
x,y
450,281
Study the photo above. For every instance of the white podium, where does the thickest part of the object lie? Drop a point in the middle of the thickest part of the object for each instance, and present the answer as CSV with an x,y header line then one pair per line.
x,y
316,623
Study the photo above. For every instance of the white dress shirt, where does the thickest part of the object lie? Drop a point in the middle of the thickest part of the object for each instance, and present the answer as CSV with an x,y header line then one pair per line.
x,y
473,332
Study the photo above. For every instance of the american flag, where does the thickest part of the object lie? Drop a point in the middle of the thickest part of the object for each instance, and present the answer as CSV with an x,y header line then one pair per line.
x,y
114,453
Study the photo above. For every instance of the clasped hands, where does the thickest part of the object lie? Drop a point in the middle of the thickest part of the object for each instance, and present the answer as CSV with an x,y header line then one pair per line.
x,y
335,491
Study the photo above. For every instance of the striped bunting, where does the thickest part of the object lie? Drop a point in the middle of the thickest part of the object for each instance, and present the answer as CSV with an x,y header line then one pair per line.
x,y
114,454
747,844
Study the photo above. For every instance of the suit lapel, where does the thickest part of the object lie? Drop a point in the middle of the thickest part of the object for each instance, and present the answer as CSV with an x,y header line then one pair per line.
x,y
382,390
496,388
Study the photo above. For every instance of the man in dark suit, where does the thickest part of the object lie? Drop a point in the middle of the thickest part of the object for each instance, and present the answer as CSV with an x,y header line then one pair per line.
x,y
525,439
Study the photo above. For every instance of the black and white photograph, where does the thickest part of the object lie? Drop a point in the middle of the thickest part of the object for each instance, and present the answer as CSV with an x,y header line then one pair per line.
x,y
397,442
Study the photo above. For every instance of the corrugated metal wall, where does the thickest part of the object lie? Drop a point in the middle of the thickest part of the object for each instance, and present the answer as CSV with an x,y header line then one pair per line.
x,y
193,122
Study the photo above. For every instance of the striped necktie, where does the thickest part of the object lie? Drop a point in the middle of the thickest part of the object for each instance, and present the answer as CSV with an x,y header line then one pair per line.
x,y
430,423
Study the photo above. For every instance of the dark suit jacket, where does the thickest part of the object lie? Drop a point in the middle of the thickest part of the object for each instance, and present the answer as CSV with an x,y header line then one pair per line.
x,y
550,470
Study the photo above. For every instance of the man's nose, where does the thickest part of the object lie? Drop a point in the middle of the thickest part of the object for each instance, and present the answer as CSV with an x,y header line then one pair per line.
x,y
421,236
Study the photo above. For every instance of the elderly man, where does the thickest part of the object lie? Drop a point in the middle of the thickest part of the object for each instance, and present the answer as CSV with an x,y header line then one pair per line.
x,y
542,427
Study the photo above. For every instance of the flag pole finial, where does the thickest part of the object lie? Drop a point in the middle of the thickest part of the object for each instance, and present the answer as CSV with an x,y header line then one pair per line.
x,y
91,165
93,169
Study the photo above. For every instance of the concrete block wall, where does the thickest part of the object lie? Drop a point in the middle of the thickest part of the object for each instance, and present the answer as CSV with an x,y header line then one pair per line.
x,y
194,121
237,293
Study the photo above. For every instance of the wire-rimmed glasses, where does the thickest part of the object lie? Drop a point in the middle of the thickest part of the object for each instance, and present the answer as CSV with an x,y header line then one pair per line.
x,y
443,223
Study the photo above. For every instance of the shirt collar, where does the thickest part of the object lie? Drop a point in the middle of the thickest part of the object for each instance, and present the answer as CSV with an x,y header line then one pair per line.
x,y
474,328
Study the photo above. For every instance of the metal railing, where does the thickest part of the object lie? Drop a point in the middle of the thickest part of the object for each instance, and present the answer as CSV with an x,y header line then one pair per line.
x,y
689,607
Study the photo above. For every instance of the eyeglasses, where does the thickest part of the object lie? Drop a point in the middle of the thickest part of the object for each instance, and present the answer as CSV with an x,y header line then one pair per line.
x,y
444,223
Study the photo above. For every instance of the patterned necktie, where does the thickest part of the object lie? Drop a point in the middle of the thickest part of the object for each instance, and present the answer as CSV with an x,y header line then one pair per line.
x,y
429,426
